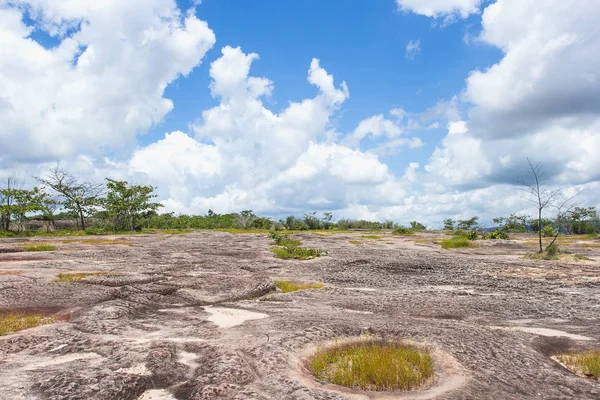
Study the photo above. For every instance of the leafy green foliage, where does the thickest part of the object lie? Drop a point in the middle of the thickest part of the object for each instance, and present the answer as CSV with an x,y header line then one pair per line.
x,y
283,240
126,204
467,224
403,231
417,226
449,224
499,234
297,253
371,365
548,231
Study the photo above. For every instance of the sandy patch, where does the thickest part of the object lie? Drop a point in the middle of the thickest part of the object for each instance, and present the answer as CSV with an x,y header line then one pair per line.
x,y
229,317
544,332
156,394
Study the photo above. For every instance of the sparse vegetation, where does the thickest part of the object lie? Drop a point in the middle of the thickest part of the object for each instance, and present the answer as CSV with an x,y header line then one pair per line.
x,y
499,234
371,237
291,286
39,247
587,363
284,240
372,365
77,276
13,322
297,253
458,242
403,231
356,242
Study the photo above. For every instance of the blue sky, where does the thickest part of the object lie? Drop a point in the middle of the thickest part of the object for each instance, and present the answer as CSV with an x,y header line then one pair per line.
x,y
360,42
394,109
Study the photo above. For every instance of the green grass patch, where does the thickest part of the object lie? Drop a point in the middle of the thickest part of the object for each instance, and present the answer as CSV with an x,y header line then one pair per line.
x,y
458,242
587,363
296,253
39,247
13,322
372,365
291,286
77,276
356,242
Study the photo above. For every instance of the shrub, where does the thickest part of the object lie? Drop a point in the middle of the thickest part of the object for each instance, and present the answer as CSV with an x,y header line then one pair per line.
x,y
283,240
552,250
417,226
499,234
548,231
289,286
455,243
297,253
371,365
39,247
402,230
472,235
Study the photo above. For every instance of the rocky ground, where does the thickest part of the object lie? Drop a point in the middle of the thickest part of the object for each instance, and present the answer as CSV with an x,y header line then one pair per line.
x,y
197,316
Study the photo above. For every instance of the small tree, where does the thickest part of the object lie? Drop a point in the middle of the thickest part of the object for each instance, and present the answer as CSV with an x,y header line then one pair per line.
x,y
449,224
18,203
126,204
417,226
543,196
467,224
80,197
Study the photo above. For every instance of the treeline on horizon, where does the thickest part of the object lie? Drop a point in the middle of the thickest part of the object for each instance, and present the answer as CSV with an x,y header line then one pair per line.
x,y
66,202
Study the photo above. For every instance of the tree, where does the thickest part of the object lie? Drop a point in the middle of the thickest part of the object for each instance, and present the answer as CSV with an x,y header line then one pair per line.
x,y
582,220
417,226
543,196
80,197
467,224
449,224
127,204
18,203
6,201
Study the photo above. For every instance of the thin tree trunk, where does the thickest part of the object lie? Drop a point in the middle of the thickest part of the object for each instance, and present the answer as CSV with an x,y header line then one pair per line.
x,y
540,229
82,219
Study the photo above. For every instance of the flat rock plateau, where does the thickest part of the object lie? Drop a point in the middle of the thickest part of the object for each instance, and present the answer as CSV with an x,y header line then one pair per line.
x,y
198,316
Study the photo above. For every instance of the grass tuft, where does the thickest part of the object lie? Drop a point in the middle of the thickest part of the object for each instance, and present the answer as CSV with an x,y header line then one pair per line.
x,y
77,276
587,363
403,231
290,286
39,247
356,242
458,242
13,322
372,365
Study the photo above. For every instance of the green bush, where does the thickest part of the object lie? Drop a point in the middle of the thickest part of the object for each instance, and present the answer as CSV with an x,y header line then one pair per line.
x,y
402,230
499,234
296,253
472,235
548,231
